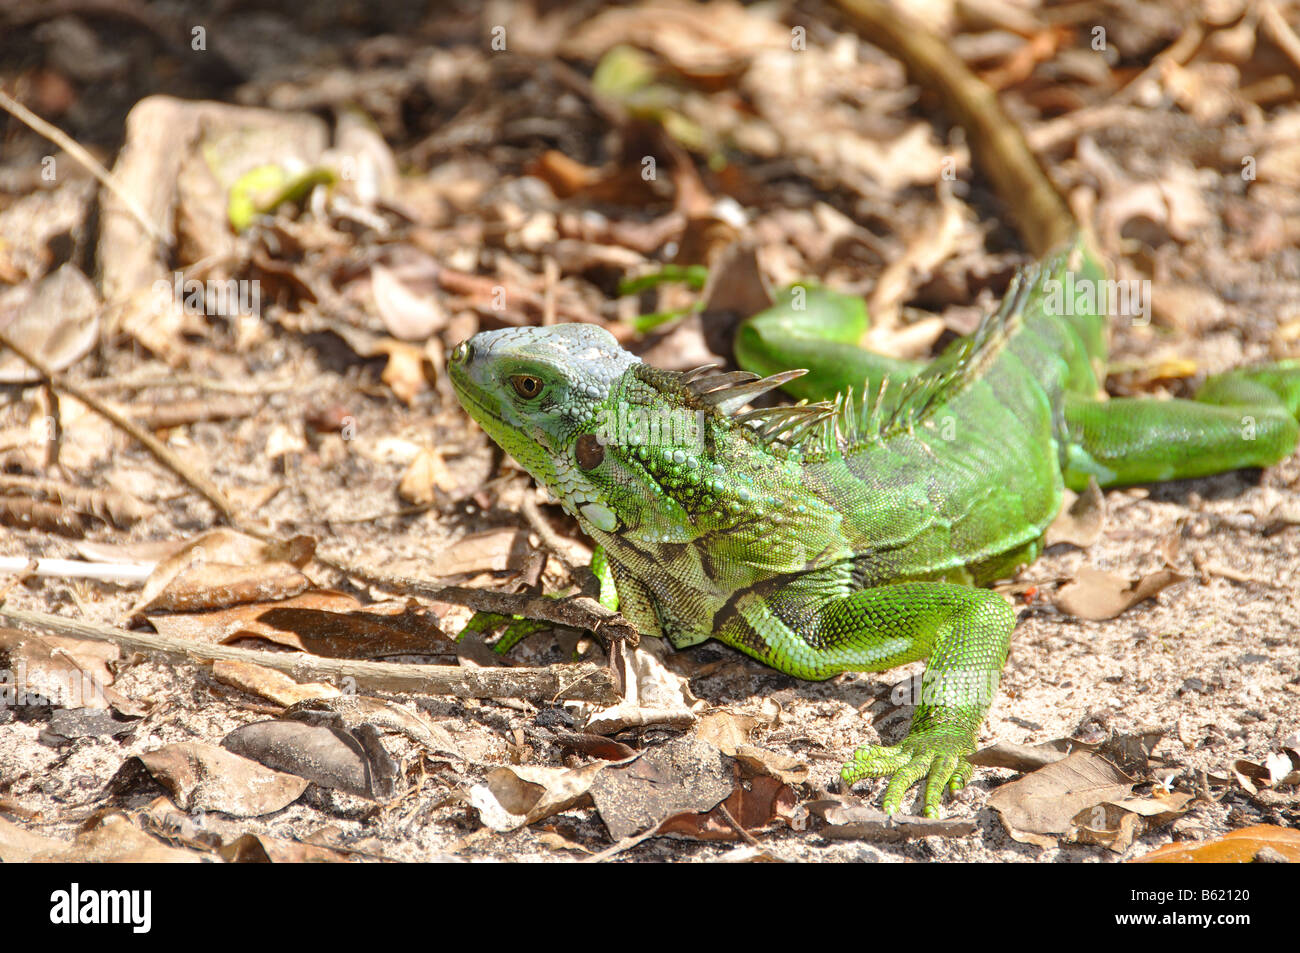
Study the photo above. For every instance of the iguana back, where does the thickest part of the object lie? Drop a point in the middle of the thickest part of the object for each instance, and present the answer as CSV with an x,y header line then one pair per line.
x,y
960,474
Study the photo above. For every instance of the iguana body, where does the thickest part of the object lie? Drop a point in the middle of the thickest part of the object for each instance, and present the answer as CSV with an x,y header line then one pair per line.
x,y
852,535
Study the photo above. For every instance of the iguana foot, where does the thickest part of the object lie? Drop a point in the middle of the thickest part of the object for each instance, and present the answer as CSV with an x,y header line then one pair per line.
x,y
517,628
935,754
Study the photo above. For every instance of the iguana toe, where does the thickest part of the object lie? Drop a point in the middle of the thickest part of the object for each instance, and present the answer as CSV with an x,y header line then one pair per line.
x,y
937,756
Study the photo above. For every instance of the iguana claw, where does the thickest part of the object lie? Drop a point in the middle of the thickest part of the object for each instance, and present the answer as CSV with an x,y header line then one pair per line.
x,y
933,754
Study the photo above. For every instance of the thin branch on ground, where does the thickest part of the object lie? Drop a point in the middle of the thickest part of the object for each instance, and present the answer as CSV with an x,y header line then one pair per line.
x,y
576,612
187,474
125,573
996,144
584,681
87,161
1280,32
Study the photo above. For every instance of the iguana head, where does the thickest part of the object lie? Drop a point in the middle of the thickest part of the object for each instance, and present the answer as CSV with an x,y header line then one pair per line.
x,y
544,394
653,458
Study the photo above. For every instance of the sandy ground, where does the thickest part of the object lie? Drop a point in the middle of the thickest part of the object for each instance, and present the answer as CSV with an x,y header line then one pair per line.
x,y
1213,662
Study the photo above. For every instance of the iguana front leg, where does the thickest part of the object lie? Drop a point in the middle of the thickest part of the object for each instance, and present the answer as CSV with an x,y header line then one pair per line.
x,y
964,632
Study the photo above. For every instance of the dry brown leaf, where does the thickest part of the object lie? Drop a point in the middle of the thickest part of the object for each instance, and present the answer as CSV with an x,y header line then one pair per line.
x,y
408,371
326,753
32,224
366,165
555,841
1115,824
928,248
265,849
1279,768
1208,91
1024,758
353,711
595,746
58,322
1174,204
407,316
268,683
565,176
1279,164
113,839
203,777
516,796
202,228
1041,45
23,513
154,320
19,845
219,586
1041,806
104,503
736,290
321,622
1236,847
493,550
1082,519
284,440
1098,595
161,133
426,474
683,776
785,768
65,672
618,182
575,257
757,805
654,696
226,546
726,730
1185,307
699,40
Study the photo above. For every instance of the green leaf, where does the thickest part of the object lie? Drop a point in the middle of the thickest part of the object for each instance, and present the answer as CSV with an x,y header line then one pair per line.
x,y
646,323
623,71
263,189
693,275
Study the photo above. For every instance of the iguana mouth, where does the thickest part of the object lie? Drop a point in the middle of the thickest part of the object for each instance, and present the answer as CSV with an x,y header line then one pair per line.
x,y
467,394
466,390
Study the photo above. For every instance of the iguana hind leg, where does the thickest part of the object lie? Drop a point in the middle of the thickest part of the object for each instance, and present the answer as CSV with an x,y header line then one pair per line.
x,y
964,632
1244,418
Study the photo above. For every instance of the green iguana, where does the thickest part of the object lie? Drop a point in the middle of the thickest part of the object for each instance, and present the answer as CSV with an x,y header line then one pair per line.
x,y
852,532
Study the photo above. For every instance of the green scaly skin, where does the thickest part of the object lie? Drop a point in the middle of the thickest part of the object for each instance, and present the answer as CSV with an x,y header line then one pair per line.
x,y
853,534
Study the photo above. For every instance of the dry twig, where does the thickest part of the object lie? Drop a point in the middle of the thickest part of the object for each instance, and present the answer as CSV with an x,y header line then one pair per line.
x,y
197,481
577,612
583,681
78,152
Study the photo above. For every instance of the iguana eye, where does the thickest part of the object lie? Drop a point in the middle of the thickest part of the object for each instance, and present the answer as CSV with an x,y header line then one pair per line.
x,y
526,386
